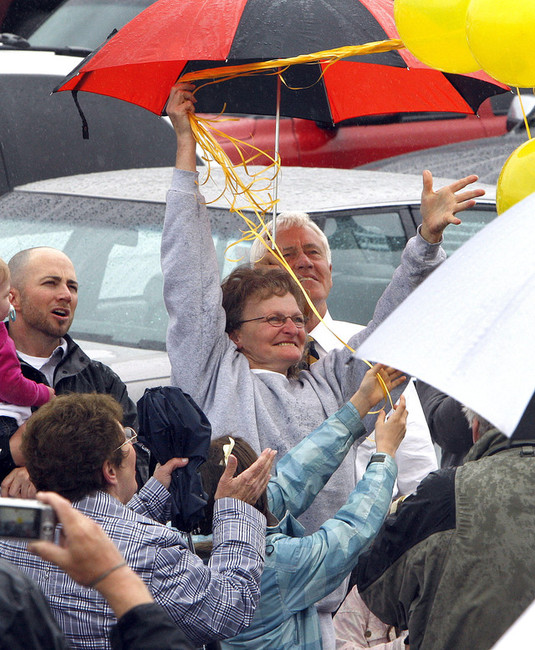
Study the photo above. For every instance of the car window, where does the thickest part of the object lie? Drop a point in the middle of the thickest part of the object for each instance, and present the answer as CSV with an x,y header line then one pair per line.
x,y
472,221
85,23
366,249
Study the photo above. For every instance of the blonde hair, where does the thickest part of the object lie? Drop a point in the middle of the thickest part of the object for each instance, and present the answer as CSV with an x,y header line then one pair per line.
x,y
5,275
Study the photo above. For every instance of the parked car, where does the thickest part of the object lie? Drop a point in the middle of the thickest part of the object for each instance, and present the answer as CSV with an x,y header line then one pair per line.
x,y
110,225
78,27
484,157
355,142
41,134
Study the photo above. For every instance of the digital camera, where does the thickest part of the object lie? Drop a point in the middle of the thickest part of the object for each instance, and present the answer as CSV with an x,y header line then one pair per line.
x,y
26,519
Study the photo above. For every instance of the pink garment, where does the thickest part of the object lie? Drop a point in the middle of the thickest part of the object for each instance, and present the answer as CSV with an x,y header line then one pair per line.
x,y
357,628
14,387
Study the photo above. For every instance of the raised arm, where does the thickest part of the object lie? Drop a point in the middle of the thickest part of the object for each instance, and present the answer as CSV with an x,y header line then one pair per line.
x,y
422,255
320,562
305,469
196,337
179,105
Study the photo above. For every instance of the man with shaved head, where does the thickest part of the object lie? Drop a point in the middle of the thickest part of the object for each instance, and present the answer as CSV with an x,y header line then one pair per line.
x,y
44,294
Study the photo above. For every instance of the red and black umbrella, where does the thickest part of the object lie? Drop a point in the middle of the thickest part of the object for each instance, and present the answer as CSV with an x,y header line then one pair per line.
x,y
141,62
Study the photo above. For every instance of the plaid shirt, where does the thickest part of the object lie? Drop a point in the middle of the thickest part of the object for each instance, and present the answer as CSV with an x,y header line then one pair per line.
x,y
213,601
301,569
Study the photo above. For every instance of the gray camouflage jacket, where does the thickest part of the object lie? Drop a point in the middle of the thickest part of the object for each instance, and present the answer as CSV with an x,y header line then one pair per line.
x,y
455,565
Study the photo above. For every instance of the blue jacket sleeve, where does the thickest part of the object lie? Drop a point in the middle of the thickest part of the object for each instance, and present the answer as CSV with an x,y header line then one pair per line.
x,y
304,470
308,568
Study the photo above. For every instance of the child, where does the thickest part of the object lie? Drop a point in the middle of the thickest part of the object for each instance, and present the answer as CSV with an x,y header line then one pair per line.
x,y
15,389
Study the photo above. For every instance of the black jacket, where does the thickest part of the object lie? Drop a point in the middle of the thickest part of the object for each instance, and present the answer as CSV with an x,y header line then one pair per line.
x,y
77,373
447,424
26,620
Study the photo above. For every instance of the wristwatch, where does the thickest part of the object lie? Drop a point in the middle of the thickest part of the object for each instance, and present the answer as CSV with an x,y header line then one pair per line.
x,y
377,458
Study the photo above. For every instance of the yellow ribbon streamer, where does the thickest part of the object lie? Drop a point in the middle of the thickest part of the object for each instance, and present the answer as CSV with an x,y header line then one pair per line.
x,y
279,66
524,112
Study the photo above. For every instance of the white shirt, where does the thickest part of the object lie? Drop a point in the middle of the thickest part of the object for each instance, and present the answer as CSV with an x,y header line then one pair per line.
x,y
416,455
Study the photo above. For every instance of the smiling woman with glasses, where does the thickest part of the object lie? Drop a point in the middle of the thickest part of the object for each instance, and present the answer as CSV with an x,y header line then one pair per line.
x,y
265,318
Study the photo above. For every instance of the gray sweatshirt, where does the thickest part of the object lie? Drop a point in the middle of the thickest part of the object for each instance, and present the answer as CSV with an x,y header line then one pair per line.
x,y
266,409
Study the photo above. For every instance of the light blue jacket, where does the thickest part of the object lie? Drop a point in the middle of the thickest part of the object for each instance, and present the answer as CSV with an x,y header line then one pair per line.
x,y
300,570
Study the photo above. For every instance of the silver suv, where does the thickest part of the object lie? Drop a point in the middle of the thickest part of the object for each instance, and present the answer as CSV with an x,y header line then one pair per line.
x,y
110,225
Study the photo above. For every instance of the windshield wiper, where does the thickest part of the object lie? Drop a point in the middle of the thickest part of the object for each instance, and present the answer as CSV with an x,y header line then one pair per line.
x,y
70,50
14,40
20,43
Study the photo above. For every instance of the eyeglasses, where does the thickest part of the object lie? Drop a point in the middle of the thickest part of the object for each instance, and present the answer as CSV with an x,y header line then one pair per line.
x,y
278,320
130,436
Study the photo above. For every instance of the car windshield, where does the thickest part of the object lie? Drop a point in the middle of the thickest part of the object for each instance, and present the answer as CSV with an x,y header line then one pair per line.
x,y
115,248
85,23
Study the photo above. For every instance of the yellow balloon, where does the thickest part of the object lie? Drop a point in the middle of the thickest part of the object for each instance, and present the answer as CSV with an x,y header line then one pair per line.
x,y
517,178
435,32
501,36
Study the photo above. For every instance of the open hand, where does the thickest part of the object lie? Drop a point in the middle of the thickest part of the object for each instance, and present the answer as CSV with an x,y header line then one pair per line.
x,y
251,483
439,208
370,391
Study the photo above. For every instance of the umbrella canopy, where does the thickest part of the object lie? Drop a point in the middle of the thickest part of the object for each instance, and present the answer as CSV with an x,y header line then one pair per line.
x,y
520,634
170,38
468,329
171,425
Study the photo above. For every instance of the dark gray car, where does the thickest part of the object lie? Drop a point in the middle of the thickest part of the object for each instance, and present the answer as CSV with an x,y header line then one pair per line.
x,y
484,157
41,134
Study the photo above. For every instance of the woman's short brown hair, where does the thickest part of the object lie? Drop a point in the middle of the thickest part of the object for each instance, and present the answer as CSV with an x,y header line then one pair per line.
x,y
67,441
260,283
